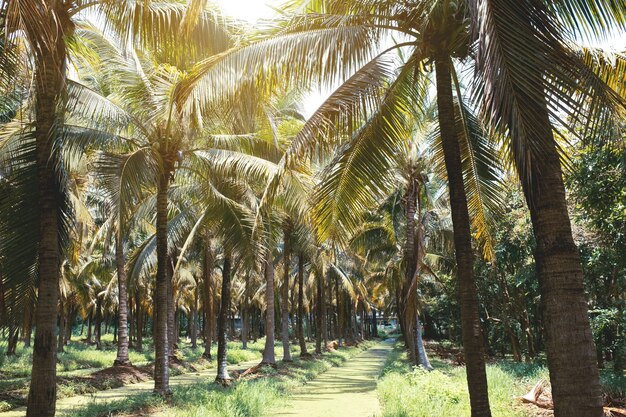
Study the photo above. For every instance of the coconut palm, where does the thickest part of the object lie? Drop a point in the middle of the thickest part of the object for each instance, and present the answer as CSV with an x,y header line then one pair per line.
x,y
532,74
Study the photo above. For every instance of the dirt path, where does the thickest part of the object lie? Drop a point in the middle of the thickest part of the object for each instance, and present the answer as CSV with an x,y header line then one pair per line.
x,y
65,406
348,390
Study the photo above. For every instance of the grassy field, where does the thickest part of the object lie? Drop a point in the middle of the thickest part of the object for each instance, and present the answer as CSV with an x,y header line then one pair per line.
x,y
81,360
257,396
412,392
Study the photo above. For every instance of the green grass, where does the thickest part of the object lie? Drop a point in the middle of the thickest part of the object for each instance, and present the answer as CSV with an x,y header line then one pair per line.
x,y
81,359
413,392
407,392
254,397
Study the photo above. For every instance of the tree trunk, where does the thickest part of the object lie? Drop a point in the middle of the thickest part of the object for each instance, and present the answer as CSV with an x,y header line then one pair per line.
x,y
245,314
62,321
468,294
139,320
222,363
14,333
122,325
50,73
269,357
207,272
320,324
301,341
570,348
193,319
374,324
98,324
171,309
28,328
89,328
329,309
284,302
160,327
409,289
421,350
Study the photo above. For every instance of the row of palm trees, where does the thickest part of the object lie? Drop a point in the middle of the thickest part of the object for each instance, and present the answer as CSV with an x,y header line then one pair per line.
x,y
169,95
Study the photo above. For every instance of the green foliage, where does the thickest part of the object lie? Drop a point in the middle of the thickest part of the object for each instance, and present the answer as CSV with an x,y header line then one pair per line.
x,y
598,184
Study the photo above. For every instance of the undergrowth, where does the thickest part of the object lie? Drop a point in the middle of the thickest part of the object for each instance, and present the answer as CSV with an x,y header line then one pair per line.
x,y
247,398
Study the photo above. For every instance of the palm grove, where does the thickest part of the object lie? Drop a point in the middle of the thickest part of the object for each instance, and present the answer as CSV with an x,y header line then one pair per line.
x,y
157,173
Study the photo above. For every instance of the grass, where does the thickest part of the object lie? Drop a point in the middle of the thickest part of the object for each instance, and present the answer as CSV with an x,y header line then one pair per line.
x,y
413,392
252,397
81,359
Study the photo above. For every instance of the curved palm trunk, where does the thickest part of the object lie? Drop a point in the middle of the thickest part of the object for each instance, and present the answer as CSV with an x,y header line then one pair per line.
x,y
301,341
122,329
161,363
207,271
269,358
570,348
284,302
222,372
468,293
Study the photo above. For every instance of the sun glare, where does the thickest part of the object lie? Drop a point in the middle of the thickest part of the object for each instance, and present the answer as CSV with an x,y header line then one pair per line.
x,y
248,10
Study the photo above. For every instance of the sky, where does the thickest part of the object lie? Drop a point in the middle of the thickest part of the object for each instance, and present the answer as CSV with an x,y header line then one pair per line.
x,y
249,10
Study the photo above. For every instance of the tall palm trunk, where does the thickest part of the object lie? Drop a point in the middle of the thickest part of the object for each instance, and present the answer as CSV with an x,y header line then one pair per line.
x,y
171,310
62,323
161,363
320,322
468,293
374,324
193,319
222,363
245,314
207,271
300,330
269,358
139,321
49,85
284,302
570,348
409,290
122,329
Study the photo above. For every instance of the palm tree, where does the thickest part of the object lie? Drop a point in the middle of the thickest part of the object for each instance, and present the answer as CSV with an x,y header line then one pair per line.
x,y
45,26
533,75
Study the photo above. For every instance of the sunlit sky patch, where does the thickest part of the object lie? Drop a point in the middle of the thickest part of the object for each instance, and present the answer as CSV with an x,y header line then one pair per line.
x,y
249,10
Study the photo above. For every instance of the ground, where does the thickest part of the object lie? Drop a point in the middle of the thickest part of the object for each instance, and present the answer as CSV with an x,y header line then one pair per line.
x,y
365,380
349,390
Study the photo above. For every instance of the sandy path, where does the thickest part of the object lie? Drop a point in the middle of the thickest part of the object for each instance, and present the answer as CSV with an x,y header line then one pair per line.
x,y
348,390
